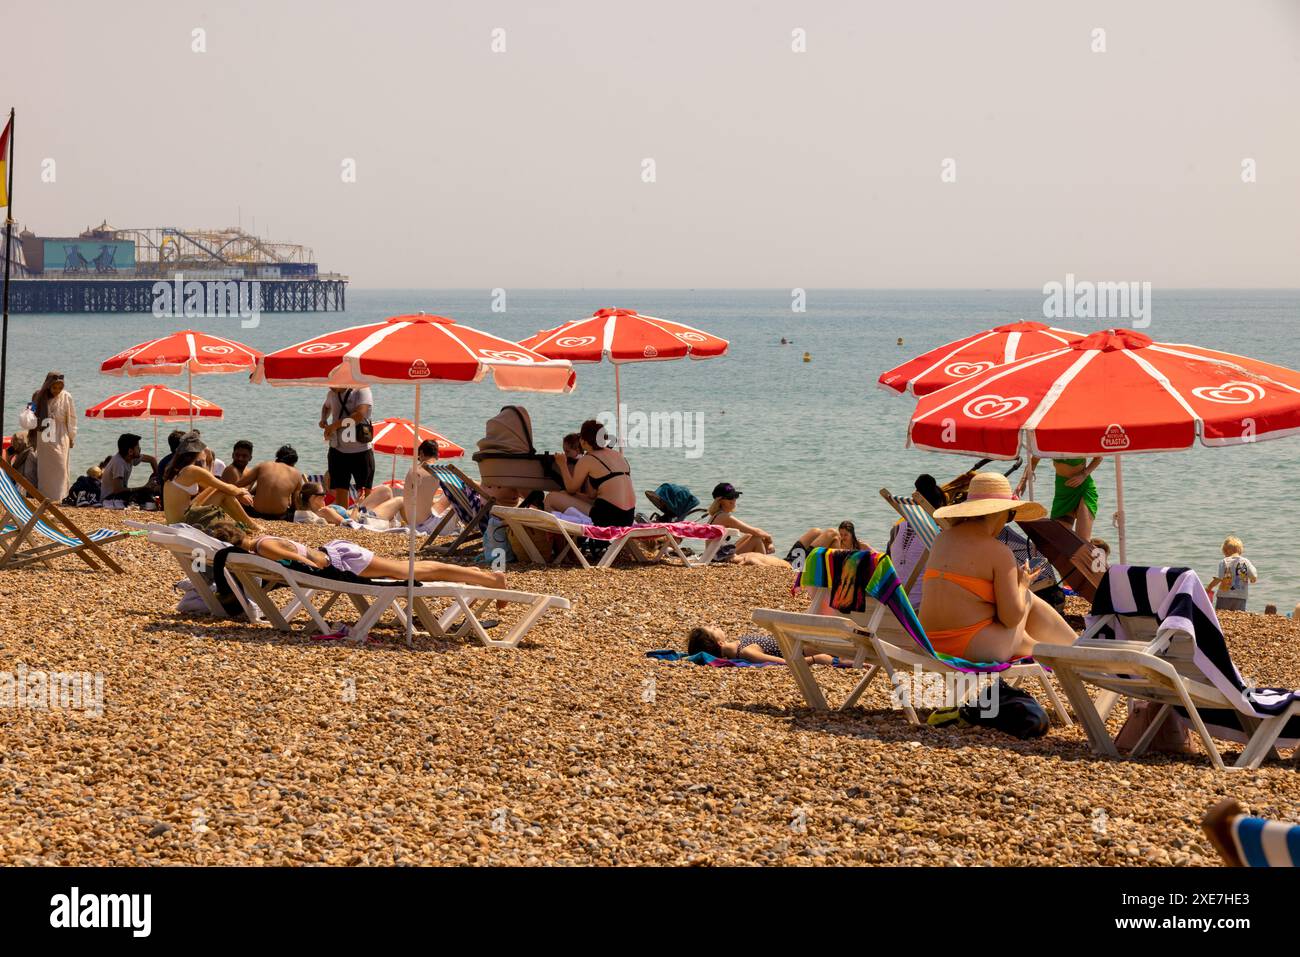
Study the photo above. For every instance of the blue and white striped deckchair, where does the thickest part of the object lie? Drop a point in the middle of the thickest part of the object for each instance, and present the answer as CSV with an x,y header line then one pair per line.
x,y
918,516
19,549
1245,841
469,503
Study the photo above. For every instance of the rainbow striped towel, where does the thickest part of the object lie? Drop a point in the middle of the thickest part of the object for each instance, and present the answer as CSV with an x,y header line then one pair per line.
x,y
851,577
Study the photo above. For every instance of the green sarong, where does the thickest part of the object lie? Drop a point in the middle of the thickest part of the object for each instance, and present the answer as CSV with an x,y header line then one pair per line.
x,y
1066,500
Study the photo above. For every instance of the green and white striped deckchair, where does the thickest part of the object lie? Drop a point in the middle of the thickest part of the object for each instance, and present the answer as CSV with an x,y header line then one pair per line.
x,y
19,523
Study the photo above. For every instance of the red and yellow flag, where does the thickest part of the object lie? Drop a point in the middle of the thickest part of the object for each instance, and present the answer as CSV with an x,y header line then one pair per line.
x,y
4,163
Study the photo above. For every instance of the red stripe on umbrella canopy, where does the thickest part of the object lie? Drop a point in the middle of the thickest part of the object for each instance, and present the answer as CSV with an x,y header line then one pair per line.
x,y
185,351
624,335
1111,392
967,357
155,402
397,437
413,350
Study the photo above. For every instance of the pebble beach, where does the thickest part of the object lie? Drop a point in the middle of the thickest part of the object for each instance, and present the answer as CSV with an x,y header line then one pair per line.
x,y
226,743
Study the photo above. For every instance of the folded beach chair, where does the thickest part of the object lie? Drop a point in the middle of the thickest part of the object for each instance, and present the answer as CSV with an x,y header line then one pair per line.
x,y
1080,565
1153,635
373,597
18,524
520,520
885,636
469,503
1245,841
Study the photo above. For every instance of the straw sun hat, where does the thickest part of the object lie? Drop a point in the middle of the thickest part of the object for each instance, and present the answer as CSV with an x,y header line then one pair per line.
x,y
990,492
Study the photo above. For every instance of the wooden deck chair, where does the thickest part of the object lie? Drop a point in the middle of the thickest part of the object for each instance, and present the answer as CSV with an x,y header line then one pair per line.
x,y
1080,565
19,522
1155,666
919,515
1245,841
520,520
374,597
469,503
873,638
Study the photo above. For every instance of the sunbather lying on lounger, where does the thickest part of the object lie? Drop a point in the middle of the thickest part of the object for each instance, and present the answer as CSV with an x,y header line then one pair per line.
x,y
378,509
978,603
346,556
756,646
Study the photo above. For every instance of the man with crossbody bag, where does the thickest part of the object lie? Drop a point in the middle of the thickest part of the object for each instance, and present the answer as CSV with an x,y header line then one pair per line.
x,y
345,420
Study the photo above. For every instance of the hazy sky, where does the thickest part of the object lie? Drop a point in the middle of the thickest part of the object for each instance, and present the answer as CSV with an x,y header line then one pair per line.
x,y
773,168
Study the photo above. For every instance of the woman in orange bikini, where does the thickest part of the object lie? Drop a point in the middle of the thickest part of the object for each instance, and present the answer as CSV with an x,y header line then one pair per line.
x,y
977,603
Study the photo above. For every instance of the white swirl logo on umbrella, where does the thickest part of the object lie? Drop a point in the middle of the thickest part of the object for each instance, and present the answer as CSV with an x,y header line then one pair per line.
x,y
218,350
573,342
419,370
321,348
130,403
993,406
503,355
1230,393
964,370
691,337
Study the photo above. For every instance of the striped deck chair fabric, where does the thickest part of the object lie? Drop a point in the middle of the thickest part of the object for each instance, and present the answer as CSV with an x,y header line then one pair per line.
x,y
916,515
469,503
18,522
1245,841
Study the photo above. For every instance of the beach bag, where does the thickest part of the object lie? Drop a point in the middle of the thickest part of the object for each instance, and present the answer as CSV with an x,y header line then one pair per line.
x,y
27,418
1172,738
496,543
84,493
191,602
1018,713
363,429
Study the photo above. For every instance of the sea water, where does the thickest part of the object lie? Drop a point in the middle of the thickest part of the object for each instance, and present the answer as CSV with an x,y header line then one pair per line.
x,y
808,443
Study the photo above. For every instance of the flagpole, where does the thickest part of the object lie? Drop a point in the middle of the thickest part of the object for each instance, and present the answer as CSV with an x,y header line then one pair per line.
x,y
9,234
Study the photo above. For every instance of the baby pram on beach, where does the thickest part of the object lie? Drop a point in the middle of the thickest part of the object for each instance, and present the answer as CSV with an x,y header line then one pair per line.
x,y
507,458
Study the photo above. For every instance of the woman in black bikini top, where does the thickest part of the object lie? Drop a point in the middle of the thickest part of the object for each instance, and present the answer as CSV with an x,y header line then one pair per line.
x,y
615,504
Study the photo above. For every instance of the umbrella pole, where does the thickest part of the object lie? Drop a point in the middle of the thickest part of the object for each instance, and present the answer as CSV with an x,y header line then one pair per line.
x,y
394,478
410,540
190,373
618,407
155,440
1119,514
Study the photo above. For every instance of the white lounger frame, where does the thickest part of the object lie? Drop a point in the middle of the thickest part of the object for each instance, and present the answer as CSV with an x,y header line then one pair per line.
x,y
371,600
521,519
1158,669
872,638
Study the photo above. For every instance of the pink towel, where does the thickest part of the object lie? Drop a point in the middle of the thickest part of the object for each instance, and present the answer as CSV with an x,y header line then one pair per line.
x,y
678,529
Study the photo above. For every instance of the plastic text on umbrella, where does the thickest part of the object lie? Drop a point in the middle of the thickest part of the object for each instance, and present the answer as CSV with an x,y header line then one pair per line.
x,y
419,369
650,352
1230,393
1115,439
993,406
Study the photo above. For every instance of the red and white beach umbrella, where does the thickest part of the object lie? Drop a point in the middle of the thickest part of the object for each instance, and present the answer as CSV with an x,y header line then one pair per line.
x,y
1116,393
959,360
398,437
188,351
158,403
624,335
413,350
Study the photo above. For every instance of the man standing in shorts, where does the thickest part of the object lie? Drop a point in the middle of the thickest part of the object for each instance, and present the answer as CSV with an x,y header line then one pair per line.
x,y
345,420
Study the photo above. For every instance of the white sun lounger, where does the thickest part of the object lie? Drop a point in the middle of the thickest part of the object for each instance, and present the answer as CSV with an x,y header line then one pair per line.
x,y
872,638
520,520
1156,667
372,598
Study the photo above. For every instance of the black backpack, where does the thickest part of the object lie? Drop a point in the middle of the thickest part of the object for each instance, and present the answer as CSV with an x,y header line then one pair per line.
x,y
1018,713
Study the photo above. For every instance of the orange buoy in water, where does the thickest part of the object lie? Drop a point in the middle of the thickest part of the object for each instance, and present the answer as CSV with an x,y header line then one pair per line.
x,y
807,357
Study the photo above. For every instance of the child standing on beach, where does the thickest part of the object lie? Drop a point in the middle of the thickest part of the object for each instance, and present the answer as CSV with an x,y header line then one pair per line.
x,y
1236,575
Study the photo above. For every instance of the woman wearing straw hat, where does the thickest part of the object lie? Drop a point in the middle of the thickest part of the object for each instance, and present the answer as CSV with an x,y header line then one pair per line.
x,y
977,601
